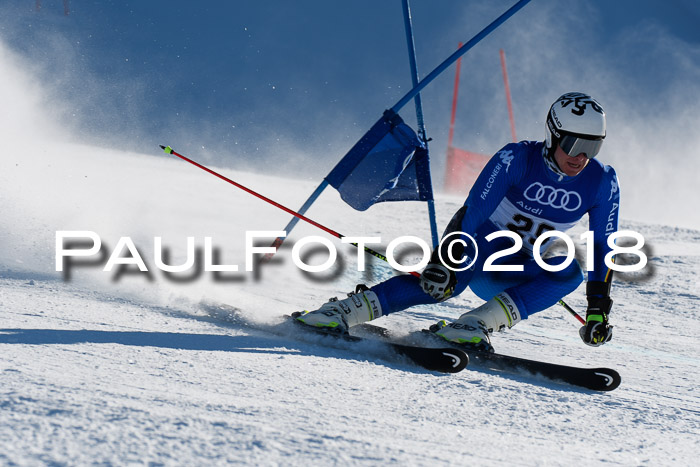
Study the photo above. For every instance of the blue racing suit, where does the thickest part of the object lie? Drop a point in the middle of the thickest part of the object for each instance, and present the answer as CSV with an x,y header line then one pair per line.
x,y
517,191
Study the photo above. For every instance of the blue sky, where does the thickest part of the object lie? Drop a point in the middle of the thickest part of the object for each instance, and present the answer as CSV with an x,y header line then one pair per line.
x,y
291,85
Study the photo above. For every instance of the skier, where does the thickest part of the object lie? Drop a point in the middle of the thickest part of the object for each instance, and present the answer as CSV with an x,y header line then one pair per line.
x,y
528,188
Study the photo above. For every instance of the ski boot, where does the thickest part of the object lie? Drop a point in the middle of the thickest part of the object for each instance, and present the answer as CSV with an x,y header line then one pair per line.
x,y
338,316
473,329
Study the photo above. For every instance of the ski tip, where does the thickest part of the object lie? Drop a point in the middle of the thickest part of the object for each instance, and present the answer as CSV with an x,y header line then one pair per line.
x,y
167,149
459,358
608,379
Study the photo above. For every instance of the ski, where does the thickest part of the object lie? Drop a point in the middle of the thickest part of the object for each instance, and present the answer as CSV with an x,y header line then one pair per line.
x,y
443,360
596,379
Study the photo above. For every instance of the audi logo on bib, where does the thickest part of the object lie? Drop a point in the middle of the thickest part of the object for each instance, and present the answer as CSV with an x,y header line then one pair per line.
x,y
557,198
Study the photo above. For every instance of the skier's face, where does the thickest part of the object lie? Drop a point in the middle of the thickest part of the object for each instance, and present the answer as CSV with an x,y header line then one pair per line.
x,y
570,165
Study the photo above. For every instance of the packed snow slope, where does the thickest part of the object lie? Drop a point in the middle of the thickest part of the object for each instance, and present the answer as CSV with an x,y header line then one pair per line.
x,y
131,367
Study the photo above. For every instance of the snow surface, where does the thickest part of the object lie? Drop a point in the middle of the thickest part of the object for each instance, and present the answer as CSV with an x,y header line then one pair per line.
x,y
136,369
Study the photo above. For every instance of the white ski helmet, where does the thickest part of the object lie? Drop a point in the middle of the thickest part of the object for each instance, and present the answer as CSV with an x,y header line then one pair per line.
x,y
576,122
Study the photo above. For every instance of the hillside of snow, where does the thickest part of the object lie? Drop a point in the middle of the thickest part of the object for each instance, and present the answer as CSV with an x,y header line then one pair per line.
x,y
131,367
145,367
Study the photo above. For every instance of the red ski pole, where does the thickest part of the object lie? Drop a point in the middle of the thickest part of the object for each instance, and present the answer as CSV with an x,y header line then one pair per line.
x,y
573,312
169,150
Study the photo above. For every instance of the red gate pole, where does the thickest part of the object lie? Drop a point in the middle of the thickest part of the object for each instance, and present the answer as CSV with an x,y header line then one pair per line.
x,y
450,180
510,104
451,135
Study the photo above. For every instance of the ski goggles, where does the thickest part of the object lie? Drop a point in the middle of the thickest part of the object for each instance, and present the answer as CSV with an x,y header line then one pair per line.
x,y
575,145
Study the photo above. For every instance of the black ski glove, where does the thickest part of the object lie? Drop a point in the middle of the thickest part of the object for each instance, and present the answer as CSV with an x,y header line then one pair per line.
x,y
597,331
438,281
